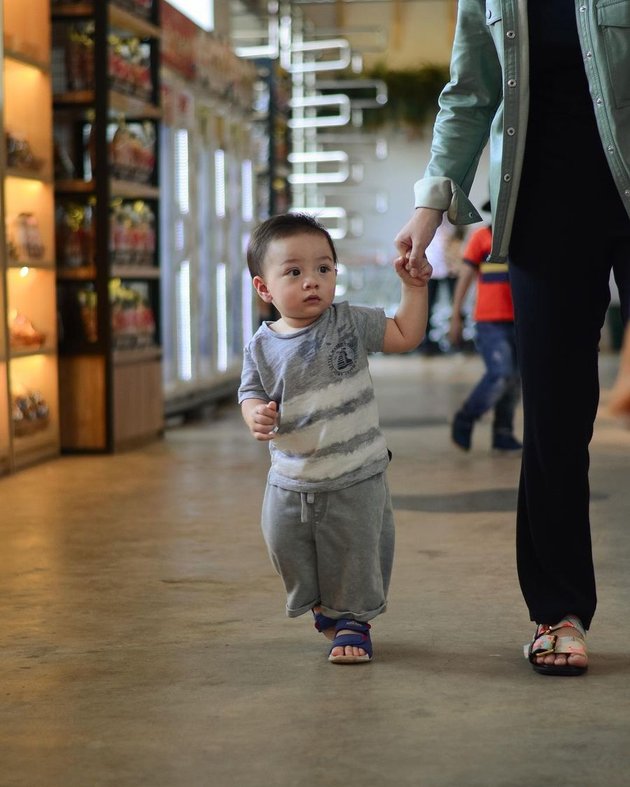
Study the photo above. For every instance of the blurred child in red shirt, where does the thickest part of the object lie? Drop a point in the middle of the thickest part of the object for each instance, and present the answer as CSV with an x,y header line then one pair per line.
x,y
500,385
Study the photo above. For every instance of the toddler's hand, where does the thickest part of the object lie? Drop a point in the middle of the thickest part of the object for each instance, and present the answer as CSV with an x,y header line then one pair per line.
x,y
422,275
265,420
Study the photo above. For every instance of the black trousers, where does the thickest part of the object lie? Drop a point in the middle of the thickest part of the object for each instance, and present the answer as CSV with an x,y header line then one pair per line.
x,y
560,288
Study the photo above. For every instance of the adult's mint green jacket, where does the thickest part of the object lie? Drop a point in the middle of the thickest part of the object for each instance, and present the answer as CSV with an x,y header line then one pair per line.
x,y
487,98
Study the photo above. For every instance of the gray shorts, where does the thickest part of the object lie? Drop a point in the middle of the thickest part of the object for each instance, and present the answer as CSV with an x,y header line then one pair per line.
x,y
333,549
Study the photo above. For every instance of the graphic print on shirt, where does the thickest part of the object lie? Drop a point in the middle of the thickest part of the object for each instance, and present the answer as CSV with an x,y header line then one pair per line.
x,y
342,358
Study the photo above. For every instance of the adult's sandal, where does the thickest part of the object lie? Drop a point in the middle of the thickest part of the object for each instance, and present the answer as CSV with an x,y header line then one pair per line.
x,y
546,642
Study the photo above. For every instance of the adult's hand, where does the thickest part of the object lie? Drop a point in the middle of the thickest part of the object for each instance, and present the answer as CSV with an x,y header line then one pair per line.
x,y
413,239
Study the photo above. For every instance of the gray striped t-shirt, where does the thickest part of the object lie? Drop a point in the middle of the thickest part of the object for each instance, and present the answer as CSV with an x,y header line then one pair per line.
x,y
329,436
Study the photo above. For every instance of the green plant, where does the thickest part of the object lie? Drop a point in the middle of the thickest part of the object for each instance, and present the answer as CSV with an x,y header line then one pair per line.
x,y
412,95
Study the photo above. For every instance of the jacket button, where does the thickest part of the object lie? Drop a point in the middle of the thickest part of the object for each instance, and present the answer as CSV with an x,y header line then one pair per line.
x,y
599,102
507,177
511,83
511,131
511,34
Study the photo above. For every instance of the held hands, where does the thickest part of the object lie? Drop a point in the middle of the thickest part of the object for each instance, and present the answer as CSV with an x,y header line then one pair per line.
x,y
264,420
413,239
417,278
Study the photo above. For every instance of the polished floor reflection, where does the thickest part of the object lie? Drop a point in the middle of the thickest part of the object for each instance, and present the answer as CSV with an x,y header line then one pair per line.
x,y
144,641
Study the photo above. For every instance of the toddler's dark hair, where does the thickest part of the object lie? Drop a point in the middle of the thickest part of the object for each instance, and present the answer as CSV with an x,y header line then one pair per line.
x,y
281,226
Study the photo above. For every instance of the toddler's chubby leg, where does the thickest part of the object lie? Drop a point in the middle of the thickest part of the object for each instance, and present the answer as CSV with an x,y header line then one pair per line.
x,y
334,553
355,547
288,533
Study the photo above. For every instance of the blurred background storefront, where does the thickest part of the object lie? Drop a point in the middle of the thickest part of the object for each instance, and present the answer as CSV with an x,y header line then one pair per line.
x,y
144,141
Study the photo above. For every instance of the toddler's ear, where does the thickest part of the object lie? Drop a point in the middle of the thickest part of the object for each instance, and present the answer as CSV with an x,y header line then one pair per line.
x,y
261,289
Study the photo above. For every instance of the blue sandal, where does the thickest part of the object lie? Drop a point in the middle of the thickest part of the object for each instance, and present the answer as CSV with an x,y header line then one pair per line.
x,y
323,622
360,638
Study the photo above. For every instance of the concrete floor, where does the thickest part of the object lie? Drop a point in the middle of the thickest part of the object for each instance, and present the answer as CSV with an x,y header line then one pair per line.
x,y
144,642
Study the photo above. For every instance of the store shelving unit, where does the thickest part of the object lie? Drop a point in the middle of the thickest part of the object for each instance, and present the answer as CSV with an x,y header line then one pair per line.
x,y
29,403
105,58
272,134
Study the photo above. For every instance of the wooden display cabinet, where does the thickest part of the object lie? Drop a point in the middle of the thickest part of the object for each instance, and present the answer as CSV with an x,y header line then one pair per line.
x,y
106,124
5,412
29,402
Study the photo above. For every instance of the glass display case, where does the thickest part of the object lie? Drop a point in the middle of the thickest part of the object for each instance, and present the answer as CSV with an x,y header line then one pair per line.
x,y
29,401
206,160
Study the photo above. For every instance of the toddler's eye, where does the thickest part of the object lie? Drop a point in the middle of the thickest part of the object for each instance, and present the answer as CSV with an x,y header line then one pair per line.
x,y
324,268
293,272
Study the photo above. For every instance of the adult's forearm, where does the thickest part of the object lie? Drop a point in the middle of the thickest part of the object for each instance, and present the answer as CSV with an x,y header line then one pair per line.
x,y
469,102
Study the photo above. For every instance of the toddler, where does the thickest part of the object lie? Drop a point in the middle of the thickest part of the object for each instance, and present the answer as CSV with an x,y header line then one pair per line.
x,y
306,388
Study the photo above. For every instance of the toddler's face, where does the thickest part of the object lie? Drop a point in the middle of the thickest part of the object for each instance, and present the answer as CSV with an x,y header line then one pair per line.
x,y
300,277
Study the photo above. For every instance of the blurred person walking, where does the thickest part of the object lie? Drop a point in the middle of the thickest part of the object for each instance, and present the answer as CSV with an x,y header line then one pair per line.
x,y
499,388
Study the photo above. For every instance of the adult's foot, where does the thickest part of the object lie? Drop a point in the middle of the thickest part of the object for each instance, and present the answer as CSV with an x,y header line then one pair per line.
x,y
560,648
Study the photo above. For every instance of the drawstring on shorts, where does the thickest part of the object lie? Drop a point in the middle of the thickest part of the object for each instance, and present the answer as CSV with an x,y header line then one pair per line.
x,y
307,498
